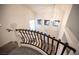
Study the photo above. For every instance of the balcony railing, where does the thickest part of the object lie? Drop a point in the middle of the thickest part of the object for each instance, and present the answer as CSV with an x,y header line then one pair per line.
x,y
43,41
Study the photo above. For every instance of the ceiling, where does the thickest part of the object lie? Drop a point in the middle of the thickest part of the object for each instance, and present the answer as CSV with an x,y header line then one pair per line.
x,y
48,10
36,8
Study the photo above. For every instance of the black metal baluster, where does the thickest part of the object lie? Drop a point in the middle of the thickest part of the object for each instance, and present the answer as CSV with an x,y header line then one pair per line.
x,y
35,37
38,38
41,40
57,46
24,35
52,45
28,36
32,37
47,43
66,44
44,42
23,39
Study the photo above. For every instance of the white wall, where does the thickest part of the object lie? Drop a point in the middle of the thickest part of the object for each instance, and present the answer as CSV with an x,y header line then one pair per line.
x,y
21,15
54,12
73,20
67,9
11,14
72,28
44,13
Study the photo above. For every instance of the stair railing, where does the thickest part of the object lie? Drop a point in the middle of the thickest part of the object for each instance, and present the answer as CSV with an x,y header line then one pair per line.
x,y
43,41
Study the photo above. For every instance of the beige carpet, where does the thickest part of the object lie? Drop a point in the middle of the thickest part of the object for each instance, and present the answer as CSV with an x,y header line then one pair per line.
x,y
12,48
24,51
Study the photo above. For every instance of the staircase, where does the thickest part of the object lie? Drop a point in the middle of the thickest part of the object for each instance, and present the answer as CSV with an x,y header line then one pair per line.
x,y
45,42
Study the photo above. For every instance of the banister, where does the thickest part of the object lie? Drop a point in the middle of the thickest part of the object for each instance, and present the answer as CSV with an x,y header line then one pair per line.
x,y
57,46
66,44
40,41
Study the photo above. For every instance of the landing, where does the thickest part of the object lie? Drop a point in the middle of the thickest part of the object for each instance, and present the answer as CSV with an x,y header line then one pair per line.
x,y
24,51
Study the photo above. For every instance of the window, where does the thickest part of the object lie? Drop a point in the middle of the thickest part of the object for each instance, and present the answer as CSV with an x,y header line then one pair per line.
x,y
39,21
46,22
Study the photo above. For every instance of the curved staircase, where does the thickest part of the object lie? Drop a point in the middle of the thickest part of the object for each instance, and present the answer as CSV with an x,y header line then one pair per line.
x,y
42,41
